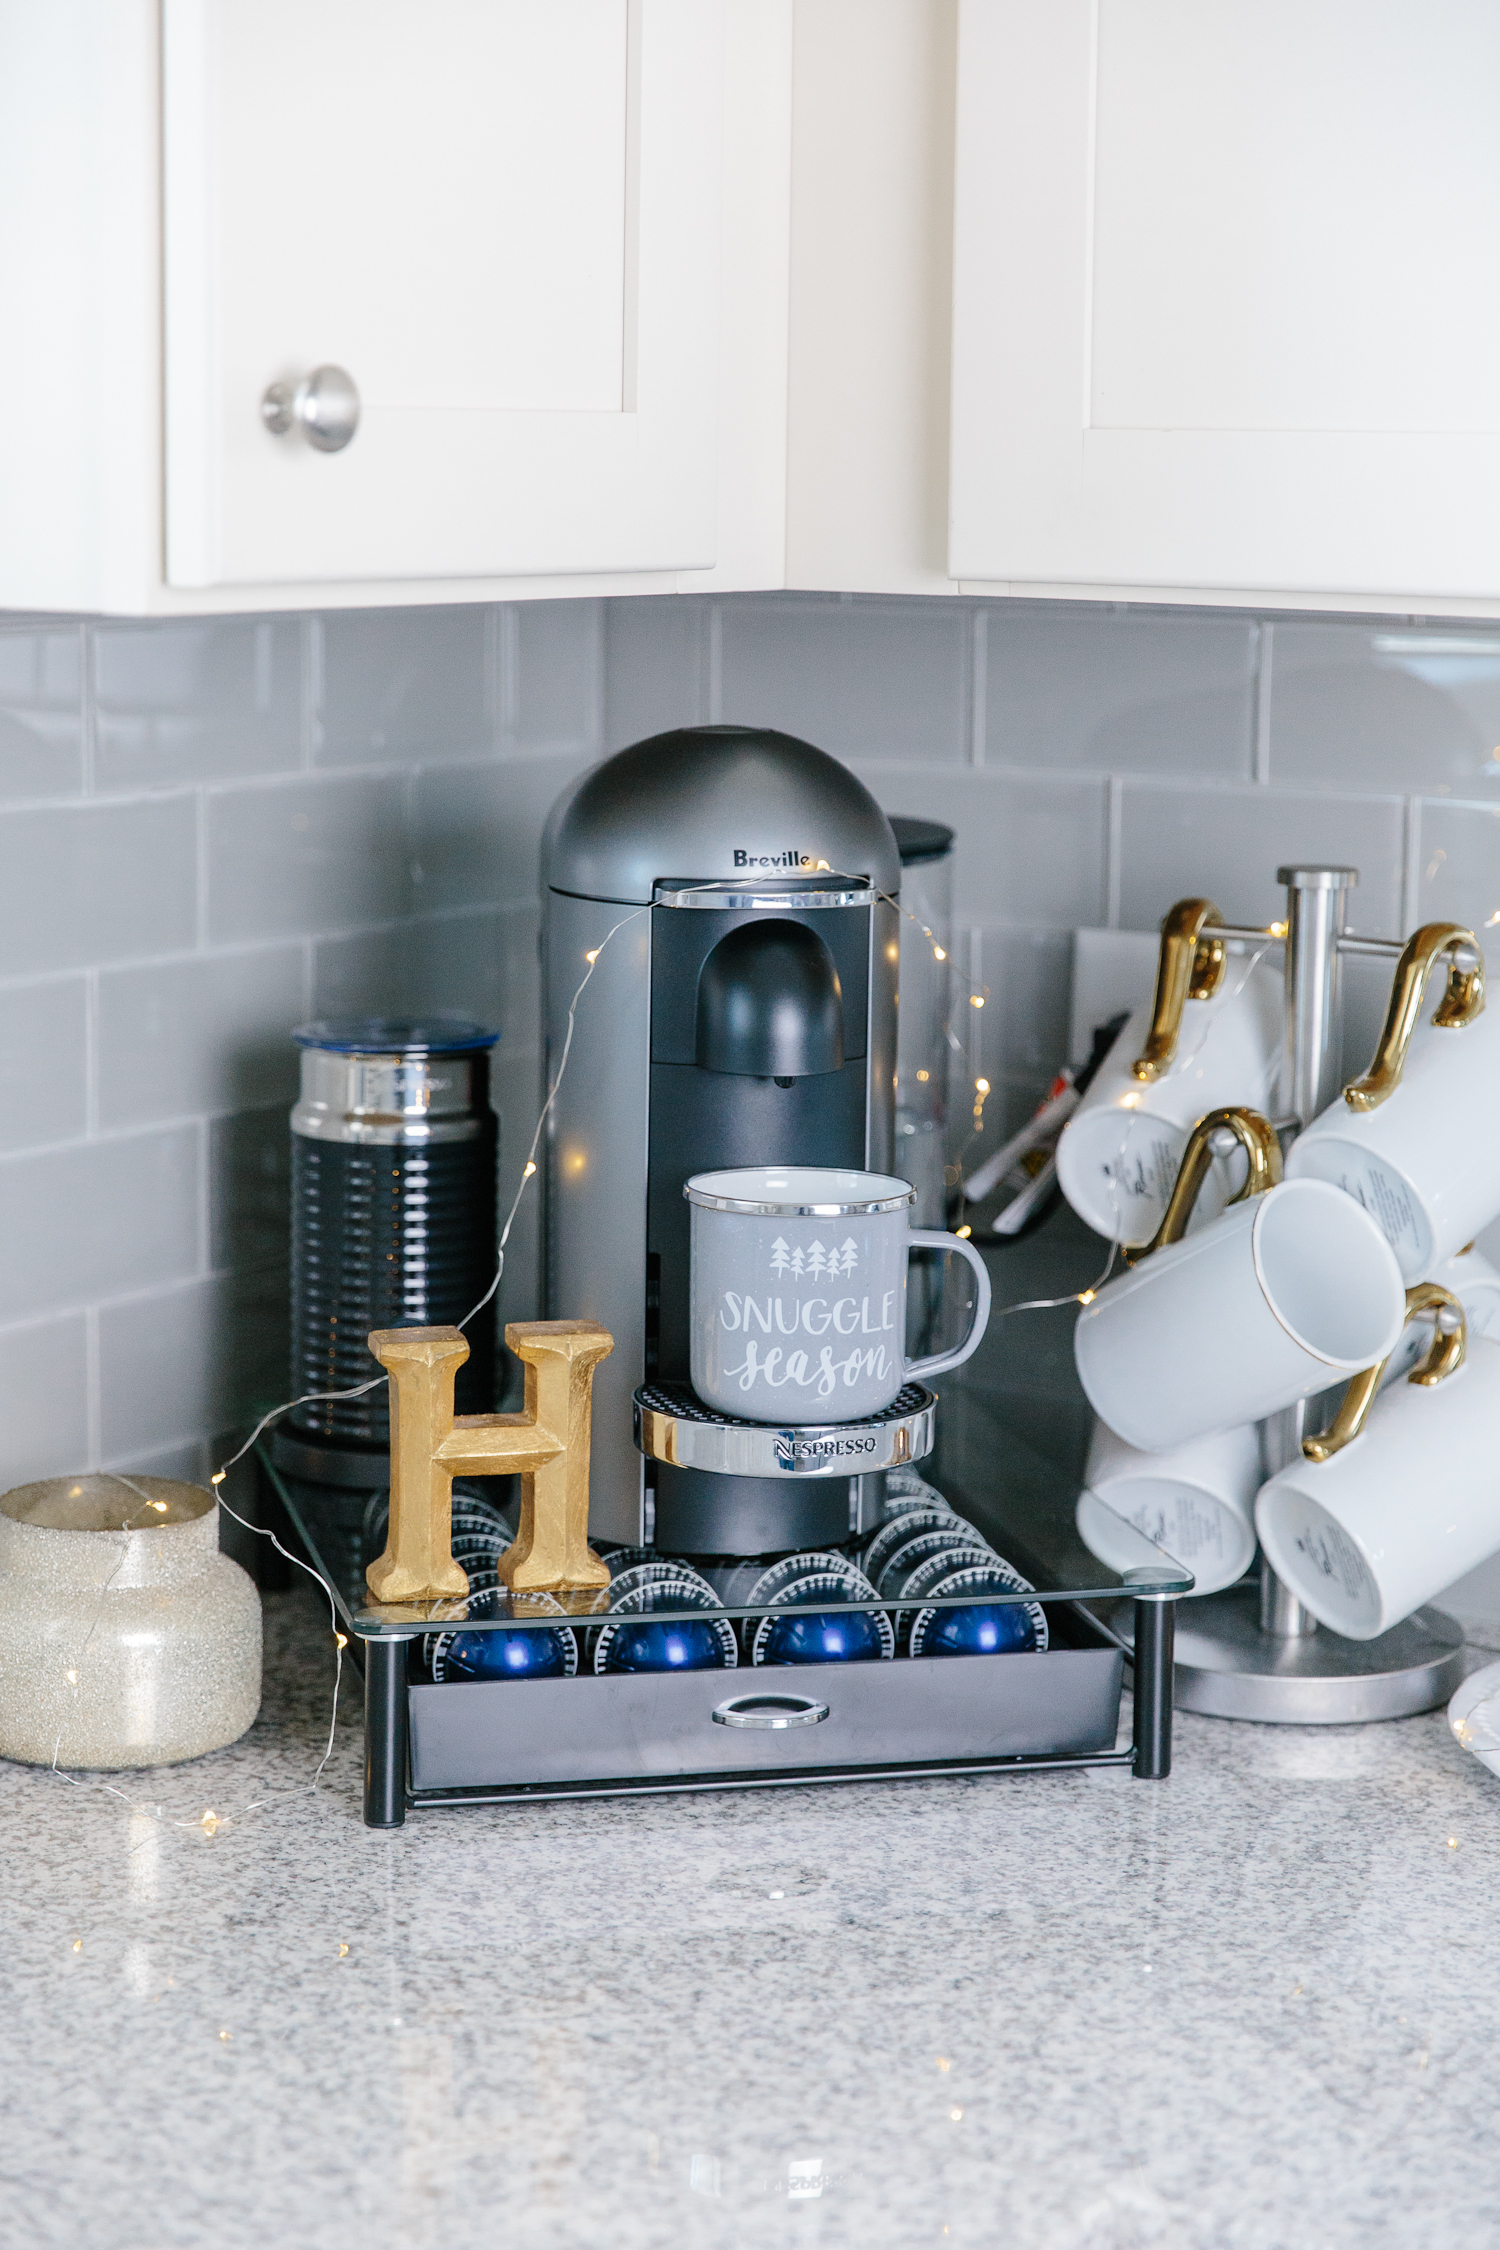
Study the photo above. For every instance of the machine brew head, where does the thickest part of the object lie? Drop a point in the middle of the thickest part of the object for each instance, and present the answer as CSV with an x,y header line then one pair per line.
x,y
770,1004
737,887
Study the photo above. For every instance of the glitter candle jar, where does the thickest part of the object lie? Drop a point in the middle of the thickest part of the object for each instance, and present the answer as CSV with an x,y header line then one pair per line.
x,y
126,1637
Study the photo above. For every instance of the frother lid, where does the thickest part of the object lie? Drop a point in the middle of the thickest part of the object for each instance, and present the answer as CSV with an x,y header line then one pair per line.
x,y
395,1035
709,803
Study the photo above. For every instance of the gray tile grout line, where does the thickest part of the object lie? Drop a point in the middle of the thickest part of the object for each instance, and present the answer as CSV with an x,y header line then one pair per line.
x,y
1411,862
1260,748
979,685
93,1391
1114,834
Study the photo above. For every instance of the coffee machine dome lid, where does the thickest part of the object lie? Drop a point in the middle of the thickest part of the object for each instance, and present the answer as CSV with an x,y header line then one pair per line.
x,y
706,804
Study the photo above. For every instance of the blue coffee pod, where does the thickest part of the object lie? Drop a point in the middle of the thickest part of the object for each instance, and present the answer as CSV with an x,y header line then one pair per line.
x,y
636,1641
537,1652
804,1633
980,1628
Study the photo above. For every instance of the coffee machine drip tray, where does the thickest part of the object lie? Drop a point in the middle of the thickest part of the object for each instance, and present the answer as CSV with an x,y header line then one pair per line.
x,y
672,1425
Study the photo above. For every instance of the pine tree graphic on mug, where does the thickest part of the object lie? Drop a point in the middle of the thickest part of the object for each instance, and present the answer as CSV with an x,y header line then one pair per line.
x,y
834,1260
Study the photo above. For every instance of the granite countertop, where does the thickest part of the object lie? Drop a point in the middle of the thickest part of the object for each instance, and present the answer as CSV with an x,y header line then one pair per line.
x,y
1252,2005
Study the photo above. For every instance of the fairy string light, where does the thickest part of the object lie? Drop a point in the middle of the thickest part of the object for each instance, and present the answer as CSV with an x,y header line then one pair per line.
x,y
210,1820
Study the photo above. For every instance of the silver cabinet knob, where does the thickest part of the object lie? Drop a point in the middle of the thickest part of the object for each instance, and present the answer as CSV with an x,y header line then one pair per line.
x,y
323,407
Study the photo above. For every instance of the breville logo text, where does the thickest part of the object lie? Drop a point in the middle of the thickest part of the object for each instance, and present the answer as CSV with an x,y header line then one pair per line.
x,y
789,858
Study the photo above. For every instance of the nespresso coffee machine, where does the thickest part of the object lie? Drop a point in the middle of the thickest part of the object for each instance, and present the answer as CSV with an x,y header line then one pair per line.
x,y
742,1012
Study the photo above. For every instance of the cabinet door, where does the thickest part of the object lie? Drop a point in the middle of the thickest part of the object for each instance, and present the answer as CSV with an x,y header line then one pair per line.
x,y
501,217
1224,310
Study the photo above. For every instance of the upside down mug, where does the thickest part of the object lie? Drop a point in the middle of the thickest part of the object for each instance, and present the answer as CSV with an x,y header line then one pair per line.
x,y
1291,1288
1387,1518
798,1292
1197,1502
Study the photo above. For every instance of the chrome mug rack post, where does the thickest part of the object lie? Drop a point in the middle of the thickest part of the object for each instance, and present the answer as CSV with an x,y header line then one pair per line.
x,y
1254,1651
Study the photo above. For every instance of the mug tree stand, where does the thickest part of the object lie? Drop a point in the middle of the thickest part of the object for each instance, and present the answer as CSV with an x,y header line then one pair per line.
x,y
1254,1651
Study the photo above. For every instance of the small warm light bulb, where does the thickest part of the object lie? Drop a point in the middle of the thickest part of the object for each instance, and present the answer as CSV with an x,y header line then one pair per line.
x,y
1087,1296
224,2036
976,1000
1453,1843
943,2063
209,1823
955,2114
530,1168
922,1077
1277,929
341,1640
591,958
218,1476
963,1232
160,1506
938,953
71,1677
343,1949
78,1945
983,1085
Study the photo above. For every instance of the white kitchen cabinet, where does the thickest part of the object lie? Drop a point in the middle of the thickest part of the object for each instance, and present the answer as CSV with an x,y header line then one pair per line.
x,y
508,222
1223,315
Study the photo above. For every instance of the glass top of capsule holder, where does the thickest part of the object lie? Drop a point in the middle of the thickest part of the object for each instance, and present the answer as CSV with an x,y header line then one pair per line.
x,y
1022,1506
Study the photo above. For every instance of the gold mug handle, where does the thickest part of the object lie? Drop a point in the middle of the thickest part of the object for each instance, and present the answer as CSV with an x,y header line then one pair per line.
x,y
1461,1003
1256,1136
1189,966
1444,1357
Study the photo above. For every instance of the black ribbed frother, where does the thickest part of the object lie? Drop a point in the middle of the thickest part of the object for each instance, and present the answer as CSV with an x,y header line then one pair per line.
x,y
394,1148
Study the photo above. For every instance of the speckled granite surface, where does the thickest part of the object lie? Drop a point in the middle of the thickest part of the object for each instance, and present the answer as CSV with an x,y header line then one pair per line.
x,y
1256,2005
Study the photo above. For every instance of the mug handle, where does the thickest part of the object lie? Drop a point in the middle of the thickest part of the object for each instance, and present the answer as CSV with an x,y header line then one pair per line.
x,y
1189,966
917,1370
1460,1004
1444,1358
1256,1136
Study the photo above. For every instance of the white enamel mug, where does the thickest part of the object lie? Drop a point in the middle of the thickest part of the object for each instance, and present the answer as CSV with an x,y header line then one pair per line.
x,y
1197,1502
799,1293
1366,1537
1177,1058
1289,1289
1415,1139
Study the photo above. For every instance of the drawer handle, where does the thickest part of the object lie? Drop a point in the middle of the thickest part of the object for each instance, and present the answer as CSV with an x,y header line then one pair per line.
x,y
770,1711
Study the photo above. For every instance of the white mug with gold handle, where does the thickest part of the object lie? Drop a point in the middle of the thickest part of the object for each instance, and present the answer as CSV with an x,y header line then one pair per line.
x,y
1288,1290
1368,1526
1416,1141
1209,1038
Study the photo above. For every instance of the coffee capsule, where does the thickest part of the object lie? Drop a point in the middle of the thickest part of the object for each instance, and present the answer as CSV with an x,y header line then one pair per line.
x,y
895,1532
635,1641
980,1628
931,1540
803,1634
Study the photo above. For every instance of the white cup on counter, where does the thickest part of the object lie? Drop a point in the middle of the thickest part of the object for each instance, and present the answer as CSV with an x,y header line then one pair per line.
x,y
1368,1534
1290,1288
1209,1038
1414,1140
1196,1502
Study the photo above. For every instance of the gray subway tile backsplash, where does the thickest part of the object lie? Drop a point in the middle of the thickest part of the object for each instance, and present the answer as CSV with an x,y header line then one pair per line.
x,y
96,882
400,685
196,699
97,1219
180,887
1360,706
1112,693
864,679
1226,844
209,1033
307,855
41,712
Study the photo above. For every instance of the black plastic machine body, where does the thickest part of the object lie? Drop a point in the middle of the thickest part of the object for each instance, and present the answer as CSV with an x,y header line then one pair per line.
x,y
738,888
